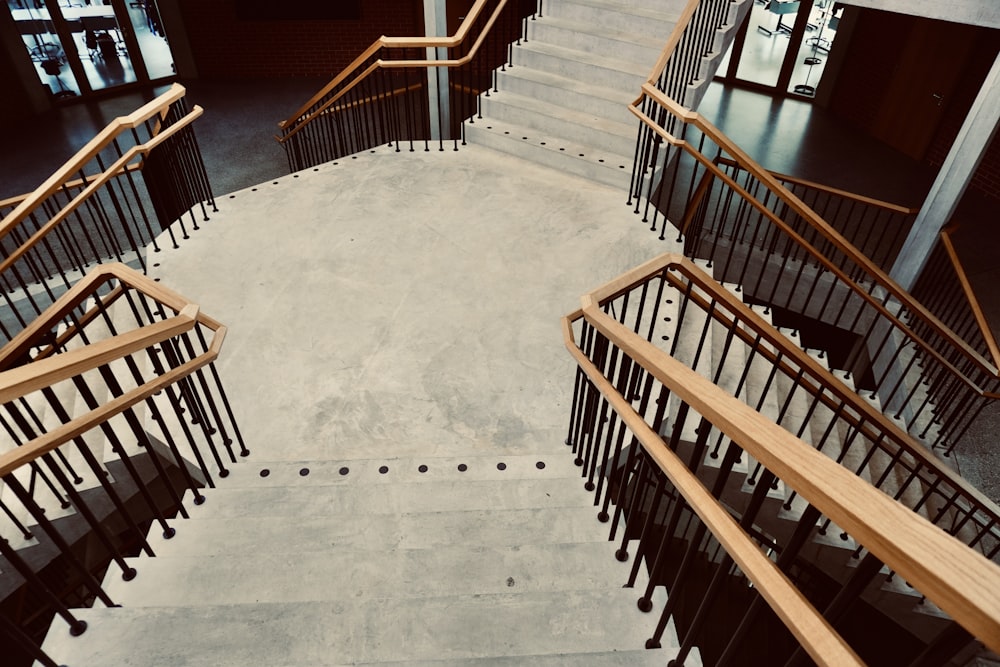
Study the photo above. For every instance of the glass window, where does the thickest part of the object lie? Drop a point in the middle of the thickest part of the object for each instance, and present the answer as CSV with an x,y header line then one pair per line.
x,y
38,32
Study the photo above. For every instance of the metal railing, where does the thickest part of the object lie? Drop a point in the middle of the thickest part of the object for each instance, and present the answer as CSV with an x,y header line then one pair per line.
x,y
95,208
668,426
117,375
876,228
385,95
944,288
761,237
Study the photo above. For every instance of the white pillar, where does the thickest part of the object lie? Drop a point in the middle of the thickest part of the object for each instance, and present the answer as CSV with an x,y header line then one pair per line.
x,y
436,25
973,139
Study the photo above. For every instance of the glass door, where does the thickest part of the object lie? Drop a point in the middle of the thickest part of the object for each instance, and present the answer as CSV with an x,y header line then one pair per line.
x,y
783,46
85,46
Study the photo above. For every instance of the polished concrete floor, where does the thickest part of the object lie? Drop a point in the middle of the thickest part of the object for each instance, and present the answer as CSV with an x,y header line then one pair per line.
x,y
790,136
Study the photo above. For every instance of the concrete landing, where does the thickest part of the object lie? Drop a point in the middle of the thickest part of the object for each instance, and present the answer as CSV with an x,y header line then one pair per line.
x,y
396,365
403,304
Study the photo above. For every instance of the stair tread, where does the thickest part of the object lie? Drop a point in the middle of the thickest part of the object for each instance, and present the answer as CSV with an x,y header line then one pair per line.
x,y
601,61
405,469
566,83
205,534
310,499
567,23
558,144
570,116
435,628
466,568
627,8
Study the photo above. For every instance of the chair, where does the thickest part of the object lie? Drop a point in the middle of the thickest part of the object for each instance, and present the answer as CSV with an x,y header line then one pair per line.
x,y
780,8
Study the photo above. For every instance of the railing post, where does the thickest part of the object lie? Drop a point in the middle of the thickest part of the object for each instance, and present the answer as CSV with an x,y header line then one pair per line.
x,y
439,108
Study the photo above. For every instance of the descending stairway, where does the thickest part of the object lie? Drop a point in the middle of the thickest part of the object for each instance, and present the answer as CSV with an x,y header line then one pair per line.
x,y
363,566
563,103
701,345
407,363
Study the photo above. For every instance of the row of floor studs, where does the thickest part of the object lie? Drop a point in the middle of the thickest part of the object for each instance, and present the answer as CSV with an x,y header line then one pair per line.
x,y
265,472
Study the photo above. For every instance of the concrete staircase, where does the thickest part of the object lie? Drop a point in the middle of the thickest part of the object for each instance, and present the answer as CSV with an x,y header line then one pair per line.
x,y
563,102
331,545
830,550
362,566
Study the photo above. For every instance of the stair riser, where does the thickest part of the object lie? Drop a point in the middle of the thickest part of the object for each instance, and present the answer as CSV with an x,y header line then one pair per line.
x,y
323,500
401,574
549,127
380,630
380,532
614,17
608,173
616,110
590,42
616,79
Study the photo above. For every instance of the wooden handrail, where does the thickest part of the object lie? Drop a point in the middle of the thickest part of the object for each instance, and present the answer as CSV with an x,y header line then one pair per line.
x,y
812,185
39,374
70,185
95,183
673,40
829,382
957,579
57,437
396,42
18,347
808,626
970,295
306,113
46,372
830,234
101,140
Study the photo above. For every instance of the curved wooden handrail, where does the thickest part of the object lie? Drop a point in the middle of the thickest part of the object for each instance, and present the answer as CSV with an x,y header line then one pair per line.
x,y
57,437
830,383
94,183
305,112
844,194
830,234
45,372
957,579
101,140
18,347
71,185
970,295
808,626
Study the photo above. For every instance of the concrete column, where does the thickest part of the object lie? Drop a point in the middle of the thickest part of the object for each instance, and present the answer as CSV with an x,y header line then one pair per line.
x,y
973,139
436,25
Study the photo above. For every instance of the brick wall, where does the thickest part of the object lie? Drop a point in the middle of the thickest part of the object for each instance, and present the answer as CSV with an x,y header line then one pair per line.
x,y
225,47
870,62
987,177
869,65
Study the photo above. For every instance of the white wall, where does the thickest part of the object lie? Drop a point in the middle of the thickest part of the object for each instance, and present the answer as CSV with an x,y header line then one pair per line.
x,y
976,12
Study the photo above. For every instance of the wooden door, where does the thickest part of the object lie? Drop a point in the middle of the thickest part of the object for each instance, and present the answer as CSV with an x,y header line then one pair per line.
x,y
927,71
457,10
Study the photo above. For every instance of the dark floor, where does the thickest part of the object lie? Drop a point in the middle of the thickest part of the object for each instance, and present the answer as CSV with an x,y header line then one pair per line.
x,y
790,136
236,132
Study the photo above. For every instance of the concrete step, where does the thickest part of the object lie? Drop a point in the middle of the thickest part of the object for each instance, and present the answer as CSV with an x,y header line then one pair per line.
x,y
550,120
567,93
607,659
596,70
593,38
340,573
428,469
358,631
323,499
205,535
568,157
655,20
